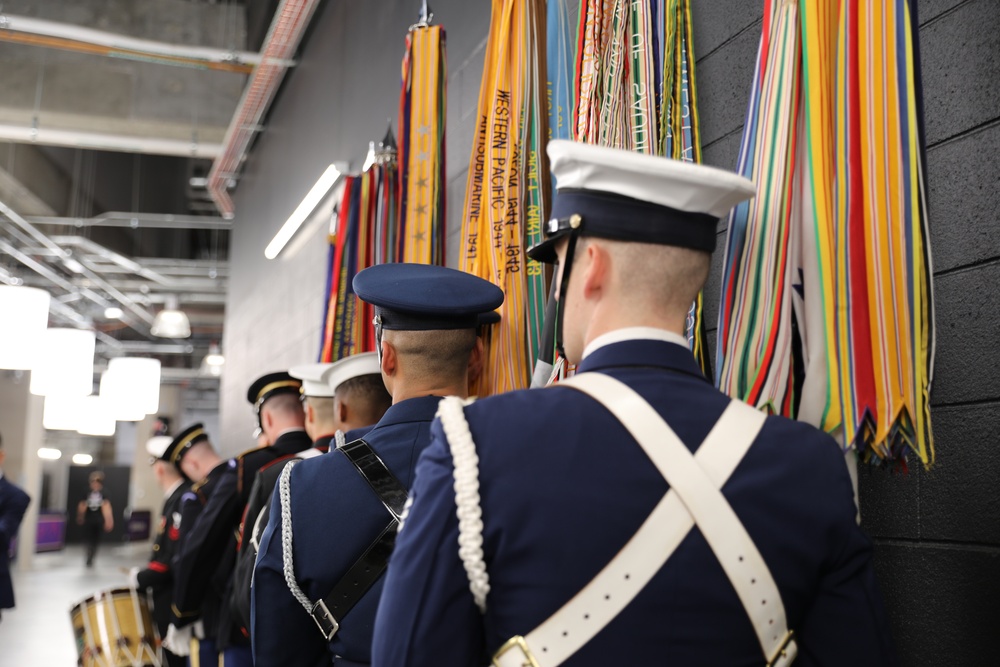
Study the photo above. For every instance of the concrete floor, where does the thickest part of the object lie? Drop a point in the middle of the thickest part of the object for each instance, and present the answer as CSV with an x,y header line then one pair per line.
x,y
38,630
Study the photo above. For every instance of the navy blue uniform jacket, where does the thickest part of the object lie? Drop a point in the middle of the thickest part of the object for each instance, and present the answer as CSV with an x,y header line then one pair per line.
x,y
564,487
158,575
210,512
335,518
13,504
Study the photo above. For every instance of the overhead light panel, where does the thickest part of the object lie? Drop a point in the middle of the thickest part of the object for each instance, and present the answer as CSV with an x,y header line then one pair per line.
x,y
49,453
113,313
313,199
25,316
83,459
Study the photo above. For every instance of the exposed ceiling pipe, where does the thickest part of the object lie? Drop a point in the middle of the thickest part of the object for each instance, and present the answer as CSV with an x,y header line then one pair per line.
x,y
290,21
136,221
108,142
33,232
52,34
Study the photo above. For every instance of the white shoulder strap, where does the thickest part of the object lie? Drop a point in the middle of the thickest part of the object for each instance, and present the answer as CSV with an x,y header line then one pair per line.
x,y
694,497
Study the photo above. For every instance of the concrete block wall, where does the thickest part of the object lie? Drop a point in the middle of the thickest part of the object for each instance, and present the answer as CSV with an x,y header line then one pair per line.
x,y
936,533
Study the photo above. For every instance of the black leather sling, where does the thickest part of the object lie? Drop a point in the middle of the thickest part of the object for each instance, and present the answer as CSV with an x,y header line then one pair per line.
x,y
372,563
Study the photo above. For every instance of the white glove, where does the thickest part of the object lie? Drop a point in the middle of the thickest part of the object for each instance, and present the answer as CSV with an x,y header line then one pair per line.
x,y
133,577
177,641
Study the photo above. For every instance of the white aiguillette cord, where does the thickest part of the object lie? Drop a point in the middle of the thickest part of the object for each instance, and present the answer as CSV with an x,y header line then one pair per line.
x,y
694,497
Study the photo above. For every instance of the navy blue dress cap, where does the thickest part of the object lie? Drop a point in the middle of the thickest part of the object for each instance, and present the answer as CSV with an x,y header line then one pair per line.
x,y
271,384
628,196
183,442
421,297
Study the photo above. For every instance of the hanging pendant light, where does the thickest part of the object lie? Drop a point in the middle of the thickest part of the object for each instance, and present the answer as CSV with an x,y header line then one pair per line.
x,y
141,377
62,413
65,364
95,417
171,322
119,399
24,315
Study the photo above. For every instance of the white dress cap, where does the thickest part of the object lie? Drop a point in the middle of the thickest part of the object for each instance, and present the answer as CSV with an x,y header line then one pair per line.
x,y
158,444
356,365
683,186
312,379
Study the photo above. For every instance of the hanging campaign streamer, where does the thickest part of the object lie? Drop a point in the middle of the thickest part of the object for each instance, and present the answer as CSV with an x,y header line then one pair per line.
x,y
755,319
885,326
506,194
560,48
422,112
827,309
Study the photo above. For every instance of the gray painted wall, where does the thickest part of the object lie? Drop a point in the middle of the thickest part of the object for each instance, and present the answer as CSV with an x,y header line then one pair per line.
x,y
937,533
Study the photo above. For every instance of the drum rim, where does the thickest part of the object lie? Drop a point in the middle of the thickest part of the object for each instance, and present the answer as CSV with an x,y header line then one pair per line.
x,y
106,592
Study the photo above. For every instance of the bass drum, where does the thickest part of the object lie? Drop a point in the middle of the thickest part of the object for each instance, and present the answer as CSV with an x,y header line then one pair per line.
x,y
113,628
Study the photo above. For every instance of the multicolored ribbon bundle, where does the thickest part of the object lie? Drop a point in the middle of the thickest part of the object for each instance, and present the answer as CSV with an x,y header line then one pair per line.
x,y
507,190
827,307
422,112
394,211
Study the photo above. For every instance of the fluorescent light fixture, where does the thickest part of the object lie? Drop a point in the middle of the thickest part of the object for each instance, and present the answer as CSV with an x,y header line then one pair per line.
x,y
83,459
113,313
49,453
304,210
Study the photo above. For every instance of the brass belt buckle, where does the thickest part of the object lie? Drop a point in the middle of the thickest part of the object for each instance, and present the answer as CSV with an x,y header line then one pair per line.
x,y
522,646
785,652
325,621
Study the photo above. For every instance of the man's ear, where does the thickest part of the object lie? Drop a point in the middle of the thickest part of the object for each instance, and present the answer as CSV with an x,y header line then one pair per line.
x,y
476,360
310,413
596,269
390,360
342,411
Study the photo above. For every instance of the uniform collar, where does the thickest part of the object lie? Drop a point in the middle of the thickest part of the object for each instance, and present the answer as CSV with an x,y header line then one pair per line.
x,y
634,333
642,352
173,487
420,409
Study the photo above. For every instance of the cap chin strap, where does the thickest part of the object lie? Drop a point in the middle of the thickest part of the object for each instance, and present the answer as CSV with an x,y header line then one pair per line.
x,y
563,289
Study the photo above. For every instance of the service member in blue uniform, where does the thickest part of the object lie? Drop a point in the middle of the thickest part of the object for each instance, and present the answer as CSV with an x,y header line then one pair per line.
x,y
158,575
210,513
344,505
563,485
342,401
13,504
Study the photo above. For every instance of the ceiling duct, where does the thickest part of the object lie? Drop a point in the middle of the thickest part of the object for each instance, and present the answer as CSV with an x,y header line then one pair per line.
x,y
290,22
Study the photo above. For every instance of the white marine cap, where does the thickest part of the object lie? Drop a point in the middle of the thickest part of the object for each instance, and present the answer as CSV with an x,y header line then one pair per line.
x,y
157,445
312,376
629,196
356,365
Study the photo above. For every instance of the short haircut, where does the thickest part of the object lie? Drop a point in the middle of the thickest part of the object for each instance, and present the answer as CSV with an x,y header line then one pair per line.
x,y
97,476
657,276
285,403
323,407
367,395
440,354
